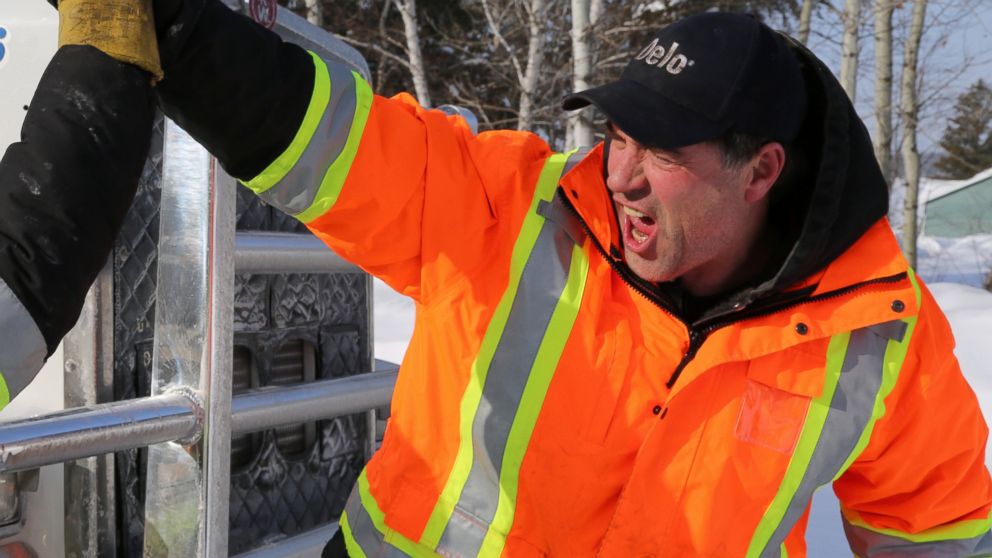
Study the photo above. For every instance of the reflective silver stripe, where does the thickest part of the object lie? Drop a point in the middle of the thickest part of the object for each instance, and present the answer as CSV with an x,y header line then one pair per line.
x,y
850,410
575,158
541,285
870,544
297,190
364,532
22,347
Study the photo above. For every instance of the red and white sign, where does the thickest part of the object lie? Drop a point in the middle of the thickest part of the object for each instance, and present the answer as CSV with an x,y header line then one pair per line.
x,y
264,12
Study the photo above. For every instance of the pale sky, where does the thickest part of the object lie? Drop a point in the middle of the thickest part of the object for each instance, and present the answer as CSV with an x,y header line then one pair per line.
x,y
958,39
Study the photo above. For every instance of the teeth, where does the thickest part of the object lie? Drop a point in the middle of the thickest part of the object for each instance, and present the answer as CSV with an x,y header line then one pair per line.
x,y
638,235
633,212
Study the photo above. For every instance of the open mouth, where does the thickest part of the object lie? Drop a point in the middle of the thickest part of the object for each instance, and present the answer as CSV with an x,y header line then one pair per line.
x,y
639,228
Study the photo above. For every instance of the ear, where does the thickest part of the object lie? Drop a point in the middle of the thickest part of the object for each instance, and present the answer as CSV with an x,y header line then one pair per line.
x,y
764,169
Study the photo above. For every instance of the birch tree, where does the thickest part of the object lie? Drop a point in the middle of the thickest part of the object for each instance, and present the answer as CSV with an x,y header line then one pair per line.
x,y
509,61
883,87
909,109
408,11
315,12
805,14
849,48
585,15
535,52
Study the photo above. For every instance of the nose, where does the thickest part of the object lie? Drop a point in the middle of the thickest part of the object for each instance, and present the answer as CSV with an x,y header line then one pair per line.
x,y
625,173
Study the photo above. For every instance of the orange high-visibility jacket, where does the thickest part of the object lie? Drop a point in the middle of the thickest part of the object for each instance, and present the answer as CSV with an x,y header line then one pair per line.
x,y
533,414
552,404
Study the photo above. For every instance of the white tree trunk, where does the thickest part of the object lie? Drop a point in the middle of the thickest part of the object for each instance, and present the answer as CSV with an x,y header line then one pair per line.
x,y
909,108
408,10
315,12
535,58
804,16
883,87
849,48
580,128
596,8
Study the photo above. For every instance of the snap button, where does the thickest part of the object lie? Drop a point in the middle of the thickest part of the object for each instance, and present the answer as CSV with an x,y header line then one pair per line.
x,y
898,306
656,410
802,329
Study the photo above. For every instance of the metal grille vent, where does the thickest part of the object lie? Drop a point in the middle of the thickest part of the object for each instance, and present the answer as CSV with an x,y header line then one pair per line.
x,y
244,378
295,362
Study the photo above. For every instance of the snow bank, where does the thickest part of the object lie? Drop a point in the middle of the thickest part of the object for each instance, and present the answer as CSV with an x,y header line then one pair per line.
x,y
965,260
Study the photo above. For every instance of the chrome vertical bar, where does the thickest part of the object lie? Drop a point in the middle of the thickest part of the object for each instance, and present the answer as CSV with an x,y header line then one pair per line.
x,y
90,511
371,443
187,487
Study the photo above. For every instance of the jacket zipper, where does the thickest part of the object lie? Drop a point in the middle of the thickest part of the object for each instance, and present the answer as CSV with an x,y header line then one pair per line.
x,y
700,331
696,336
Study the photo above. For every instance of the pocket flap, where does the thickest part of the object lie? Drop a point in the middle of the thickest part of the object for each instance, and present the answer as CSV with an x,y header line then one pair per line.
x,y
797,370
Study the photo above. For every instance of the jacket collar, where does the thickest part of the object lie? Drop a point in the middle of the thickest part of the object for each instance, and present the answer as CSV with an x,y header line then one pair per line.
x,y
585,188
859,289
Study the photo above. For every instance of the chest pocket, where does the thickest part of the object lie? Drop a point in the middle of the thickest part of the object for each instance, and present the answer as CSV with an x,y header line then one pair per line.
x,y
777,394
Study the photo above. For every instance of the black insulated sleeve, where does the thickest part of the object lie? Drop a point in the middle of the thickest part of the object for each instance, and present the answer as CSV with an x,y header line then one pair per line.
x,y
236,87
66,186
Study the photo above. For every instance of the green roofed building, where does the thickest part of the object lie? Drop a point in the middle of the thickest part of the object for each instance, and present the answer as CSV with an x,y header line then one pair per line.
x,y
954,209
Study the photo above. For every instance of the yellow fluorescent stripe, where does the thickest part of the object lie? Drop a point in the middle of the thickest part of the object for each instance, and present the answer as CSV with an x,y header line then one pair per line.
x,y
816,416
318,104
548,355
330,186
480,367
784,551
4,392
895,355
379,521
349,539
962,530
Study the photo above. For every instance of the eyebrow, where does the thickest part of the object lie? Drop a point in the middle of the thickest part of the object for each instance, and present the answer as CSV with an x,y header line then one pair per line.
x,y
676,153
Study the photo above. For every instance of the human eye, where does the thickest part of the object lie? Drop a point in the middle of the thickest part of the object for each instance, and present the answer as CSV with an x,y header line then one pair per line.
x,y
663,157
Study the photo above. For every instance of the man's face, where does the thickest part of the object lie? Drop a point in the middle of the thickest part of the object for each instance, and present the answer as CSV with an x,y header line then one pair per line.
x,y
682,213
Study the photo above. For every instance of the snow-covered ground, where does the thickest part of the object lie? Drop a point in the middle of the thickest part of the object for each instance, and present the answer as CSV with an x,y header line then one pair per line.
x,y
952,269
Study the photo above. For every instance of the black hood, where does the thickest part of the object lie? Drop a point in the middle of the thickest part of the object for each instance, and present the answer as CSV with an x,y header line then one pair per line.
x,y
835,195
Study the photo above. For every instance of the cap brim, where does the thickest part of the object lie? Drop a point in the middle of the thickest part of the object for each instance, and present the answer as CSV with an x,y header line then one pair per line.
x,y
645,115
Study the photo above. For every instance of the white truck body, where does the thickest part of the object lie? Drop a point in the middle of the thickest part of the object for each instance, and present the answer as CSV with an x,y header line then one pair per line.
x,y
29,39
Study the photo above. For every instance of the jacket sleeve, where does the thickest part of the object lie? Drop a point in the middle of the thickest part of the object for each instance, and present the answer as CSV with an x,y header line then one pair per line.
x,y
64,190
921,487
408,194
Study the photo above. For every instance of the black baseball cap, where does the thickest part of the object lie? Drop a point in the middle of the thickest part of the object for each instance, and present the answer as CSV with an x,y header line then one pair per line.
x,y
701,77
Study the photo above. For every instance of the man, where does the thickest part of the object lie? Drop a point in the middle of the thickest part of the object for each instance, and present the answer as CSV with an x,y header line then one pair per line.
x,y
660,347
65,187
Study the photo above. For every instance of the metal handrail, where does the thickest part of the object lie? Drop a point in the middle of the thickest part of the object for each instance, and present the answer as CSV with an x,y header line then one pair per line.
x,y
270,407
111,427
87,431
274,252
